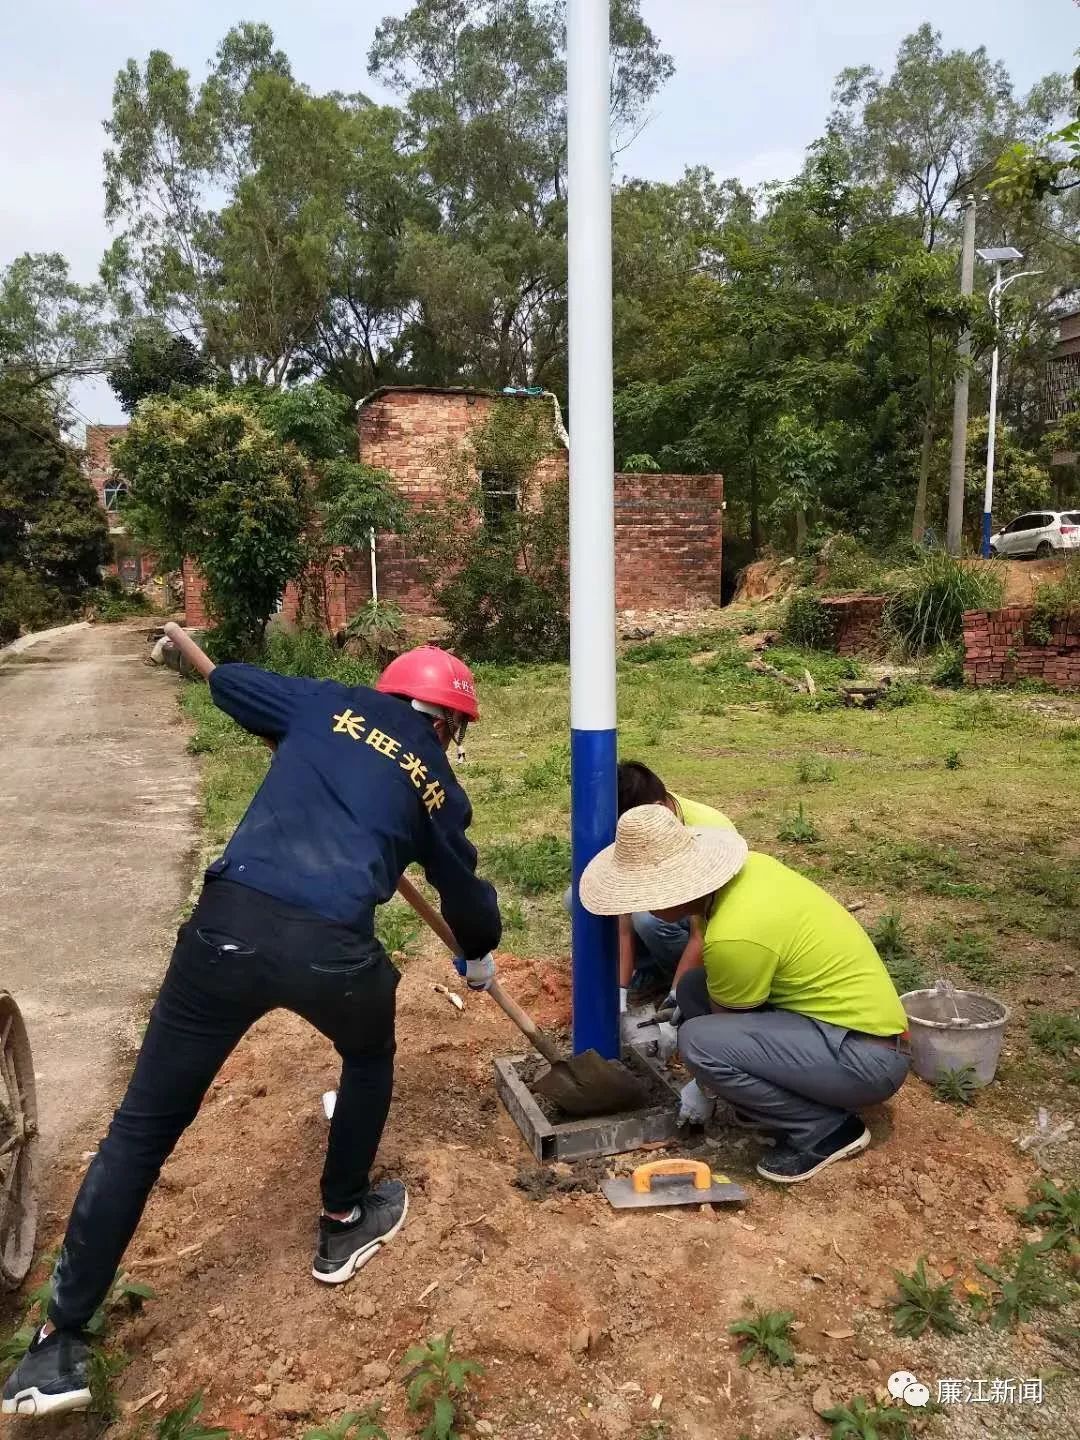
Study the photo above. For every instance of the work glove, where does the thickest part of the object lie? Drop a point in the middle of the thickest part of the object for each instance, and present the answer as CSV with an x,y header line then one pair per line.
x,y
668,1010
477,974
667,1041
695,1107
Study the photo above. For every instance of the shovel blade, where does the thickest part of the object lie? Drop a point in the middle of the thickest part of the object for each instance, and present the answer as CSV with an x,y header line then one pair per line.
x,y
588,1084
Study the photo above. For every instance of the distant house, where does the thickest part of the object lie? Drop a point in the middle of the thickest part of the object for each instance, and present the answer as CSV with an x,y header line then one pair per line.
x,y
135,566
1063,378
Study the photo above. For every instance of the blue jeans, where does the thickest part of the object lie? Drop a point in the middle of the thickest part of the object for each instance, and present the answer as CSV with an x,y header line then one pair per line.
x,y
658,947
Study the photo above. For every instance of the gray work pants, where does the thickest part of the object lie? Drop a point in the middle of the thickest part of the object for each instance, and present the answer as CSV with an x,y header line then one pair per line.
x,y
798,1078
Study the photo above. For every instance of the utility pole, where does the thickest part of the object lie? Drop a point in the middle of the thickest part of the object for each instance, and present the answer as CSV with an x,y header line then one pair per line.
x,y
958,456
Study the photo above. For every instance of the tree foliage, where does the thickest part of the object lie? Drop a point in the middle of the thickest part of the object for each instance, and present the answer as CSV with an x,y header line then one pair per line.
x,y
154,361
50,327
52,530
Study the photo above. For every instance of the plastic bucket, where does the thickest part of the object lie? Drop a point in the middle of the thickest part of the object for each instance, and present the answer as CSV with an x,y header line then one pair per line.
x,y
939,1041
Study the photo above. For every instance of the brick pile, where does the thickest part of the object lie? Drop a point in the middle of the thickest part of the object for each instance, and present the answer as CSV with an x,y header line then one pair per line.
x,y
856,622
999,648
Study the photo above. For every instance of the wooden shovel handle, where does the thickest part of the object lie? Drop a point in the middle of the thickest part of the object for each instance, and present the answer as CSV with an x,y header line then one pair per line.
x,y
644,1175
510,1008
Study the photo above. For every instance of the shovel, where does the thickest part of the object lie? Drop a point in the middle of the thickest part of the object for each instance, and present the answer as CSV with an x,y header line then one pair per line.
x,y
585,1084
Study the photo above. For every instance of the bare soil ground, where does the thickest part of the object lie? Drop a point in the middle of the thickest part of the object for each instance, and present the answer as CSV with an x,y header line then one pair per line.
x,y
591,1322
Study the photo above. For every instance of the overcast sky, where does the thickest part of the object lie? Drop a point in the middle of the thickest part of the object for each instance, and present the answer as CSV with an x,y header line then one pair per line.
x,y
751,88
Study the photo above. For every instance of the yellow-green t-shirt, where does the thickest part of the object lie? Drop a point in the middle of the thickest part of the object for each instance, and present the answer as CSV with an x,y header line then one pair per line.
x,y
704,817
773,936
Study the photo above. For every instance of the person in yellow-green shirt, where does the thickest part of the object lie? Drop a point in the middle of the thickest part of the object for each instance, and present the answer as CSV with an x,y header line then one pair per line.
x,y
791,1016
654,954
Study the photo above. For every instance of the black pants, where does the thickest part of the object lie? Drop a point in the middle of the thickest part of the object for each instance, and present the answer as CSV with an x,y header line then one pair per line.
x,y
240,955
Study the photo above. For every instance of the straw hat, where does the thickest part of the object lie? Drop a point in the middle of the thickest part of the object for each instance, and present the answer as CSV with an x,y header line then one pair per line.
x,y
657,862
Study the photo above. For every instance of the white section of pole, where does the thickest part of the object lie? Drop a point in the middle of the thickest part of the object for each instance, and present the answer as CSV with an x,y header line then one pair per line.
x,y
958,455
374,567
991,433
592,447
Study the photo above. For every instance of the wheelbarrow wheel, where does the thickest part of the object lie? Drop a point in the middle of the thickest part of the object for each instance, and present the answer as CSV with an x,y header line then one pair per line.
x,y
18,1147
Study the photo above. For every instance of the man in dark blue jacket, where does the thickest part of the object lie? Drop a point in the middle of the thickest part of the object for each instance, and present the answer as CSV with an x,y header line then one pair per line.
x,y
359,788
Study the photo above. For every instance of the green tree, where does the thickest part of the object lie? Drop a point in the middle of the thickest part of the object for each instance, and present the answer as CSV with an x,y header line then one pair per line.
x,y
483,85
1030,171
51,329
935,126
53,536
155,360
209,479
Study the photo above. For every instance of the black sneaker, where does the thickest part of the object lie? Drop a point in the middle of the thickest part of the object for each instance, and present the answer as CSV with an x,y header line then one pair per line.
x,y
789,1165
347,1245
51,1378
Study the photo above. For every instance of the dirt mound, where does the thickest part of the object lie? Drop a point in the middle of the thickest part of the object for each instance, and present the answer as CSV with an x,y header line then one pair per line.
x,y
1023,576
763,579
590,1322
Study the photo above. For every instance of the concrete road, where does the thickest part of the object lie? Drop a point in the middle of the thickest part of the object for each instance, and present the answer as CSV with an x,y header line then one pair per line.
x,y
98,836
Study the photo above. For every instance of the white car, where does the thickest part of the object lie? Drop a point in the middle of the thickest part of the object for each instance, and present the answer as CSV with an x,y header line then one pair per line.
x,y
1040,532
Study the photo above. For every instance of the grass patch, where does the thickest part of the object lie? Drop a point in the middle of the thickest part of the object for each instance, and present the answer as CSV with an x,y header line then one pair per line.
x,y
1055,1032
813,771
397,927
533,866
897,953
799,828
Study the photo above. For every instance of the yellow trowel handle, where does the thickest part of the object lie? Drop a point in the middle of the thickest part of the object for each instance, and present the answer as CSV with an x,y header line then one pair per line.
x,y
697,1170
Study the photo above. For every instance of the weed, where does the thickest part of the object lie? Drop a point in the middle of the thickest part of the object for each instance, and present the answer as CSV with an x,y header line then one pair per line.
x,y
799,828
377,631
1055,1032
927,611
1058,1211
807,622
768,1337
1060,884
948,667
534,866
102,1370
14,1347
921,1304
812,771
953,760
897,955
183,1423
1029,1286
354,1425
972,955
863,1421
1069,735
438,1383
957,1087
396,926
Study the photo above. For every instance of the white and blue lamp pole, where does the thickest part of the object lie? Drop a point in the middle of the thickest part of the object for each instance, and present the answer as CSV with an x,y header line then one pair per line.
x,y
996,256
592,514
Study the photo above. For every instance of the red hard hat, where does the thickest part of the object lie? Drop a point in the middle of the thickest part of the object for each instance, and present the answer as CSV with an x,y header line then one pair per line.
x,y
434,676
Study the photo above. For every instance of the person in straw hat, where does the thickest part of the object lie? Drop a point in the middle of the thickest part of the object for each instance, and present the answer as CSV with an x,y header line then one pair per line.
x,y
791,1017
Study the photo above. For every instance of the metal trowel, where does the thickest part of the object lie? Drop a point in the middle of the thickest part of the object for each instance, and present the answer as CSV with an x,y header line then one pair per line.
x,y
682,1182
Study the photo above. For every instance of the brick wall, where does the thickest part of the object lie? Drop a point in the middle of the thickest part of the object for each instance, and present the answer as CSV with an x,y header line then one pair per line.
x,y
999,648
668,528
856,622
98,464
668,539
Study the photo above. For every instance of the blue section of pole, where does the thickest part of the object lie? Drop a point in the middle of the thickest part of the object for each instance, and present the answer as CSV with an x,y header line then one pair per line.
x,y
987,531
595,949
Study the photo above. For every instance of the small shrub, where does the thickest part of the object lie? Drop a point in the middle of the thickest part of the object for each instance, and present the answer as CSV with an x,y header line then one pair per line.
x,y
183,1423
799,828
1055,1032
812,771
921,1305
102,1370
1058,1211
438,1384
353,1425
948,667
377,631
953,760
904,691
927,610
1053,600
863,1421
1024,1286
807,622
897,955
768,1337
534,866
957,1087
14,1347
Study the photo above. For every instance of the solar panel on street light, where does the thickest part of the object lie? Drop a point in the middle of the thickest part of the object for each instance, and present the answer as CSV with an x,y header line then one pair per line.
x,y
1000,254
